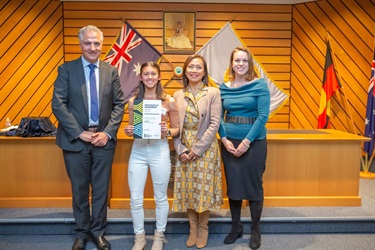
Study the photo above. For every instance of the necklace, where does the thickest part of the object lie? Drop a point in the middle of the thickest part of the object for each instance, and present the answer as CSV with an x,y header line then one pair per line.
x,y
195,89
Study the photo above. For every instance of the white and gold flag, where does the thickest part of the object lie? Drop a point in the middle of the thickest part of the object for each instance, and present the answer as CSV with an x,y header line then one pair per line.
x,y
217,54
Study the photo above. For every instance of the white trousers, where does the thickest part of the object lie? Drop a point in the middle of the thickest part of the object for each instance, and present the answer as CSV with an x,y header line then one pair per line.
x,y
156,155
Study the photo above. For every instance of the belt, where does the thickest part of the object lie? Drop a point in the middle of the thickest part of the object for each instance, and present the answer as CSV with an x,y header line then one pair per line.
x,y
93,128
239,119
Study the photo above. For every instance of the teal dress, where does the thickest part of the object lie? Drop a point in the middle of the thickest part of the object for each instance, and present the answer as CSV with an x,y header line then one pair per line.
x,y
251,103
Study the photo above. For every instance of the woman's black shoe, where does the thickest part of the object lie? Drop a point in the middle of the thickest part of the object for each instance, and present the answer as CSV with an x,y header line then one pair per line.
x,y
255,239
235,233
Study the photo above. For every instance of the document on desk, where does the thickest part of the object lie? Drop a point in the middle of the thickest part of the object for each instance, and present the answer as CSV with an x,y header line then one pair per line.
x,y
147,118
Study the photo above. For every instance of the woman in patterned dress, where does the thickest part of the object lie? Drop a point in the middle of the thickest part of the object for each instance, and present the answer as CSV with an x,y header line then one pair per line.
x,y
198,179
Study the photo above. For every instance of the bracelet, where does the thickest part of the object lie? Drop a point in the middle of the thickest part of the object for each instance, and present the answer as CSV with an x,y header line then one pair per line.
x,y
246,145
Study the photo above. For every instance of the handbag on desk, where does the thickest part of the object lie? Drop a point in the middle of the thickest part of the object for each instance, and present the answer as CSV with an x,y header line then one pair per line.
x,y
36,126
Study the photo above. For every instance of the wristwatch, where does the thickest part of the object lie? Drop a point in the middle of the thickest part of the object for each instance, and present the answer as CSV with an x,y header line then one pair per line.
x,y
168,133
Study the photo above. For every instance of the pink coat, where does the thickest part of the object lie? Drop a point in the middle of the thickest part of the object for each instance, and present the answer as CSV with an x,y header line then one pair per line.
x,y
209,121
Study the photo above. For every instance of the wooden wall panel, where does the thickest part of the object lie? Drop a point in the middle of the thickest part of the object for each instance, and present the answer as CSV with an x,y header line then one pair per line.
x,y
31,49
265,29
351,30
38,35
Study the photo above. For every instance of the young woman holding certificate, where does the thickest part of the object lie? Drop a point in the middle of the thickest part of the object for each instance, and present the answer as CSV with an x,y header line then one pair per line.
x,y
153,153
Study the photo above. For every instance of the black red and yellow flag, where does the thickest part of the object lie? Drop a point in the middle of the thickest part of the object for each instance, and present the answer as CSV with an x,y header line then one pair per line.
x,y
331,83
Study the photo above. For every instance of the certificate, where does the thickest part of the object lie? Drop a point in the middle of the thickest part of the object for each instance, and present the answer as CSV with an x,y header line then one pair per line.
x,y
147,118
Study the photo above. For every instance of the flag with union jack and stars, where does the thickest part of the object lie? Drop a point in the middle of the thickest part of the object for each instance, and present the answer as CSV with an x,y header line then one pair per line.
x,y
127,54
370,112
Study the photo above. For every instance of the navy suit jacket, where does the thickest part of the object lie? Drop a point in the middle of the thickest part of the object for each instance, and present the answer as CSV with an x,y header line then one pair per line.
x,y
70,104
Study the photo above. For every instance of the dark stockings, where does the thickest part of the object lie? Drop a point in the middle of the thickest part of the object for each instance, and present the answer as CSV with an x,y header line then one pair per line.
x,y
235,211
256,208
237,228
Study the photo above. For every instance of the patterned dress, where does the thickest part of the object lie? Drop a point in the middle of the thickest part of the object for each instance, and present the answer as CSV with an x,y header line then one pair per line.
x,y
198,185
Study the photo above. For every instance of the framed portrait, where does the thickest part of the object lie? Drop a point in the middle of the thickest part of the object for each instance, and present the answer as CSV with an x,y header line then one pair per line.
x,y
179,32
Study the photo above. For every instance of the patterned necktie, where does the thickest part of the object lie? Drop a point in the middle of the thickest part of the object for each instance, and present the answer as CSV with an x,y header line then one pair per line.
x,y
94,94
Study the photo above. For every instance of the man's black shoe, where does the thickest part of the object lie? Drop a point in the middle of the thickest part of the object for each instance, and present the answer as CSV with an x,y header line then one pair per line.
x,y
79,244
101,243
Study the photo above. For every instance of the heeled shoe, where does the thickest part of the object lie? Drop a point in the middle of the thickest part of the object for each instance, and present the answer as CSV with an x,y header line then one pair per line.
x,y
139,241
255,239
235,233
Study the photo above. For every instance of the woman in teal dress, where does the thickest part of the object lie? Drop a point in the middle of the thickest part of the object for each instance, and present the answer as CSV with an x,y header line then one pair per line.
x,y
246,104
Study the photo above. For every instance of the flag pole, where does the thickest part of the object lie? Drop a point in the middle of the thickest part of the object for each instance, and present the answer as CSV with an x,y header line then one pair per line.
x,y
371,158
339,76
171,65
366,166
365,163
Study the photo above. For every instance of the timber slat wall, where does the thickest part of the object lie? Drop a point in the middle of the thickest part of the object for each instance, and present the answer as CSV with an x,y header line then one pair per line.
x,y
351,30
272,25
31,36
37,36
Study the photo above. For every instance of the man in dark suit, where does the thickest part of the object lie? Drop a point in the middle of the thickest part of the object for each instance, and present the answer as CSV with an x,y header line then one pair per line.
x,y
89,105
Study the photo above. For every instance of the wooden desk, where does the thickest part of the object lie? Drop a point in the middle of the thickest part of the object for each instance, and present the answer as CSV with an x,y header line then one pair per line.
x,y
312,168
32,173
304,168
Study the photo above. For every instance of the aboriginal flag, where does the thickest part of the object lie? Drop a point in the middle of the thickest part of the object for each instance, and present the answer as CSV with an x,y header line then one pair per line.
x,y
330,85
